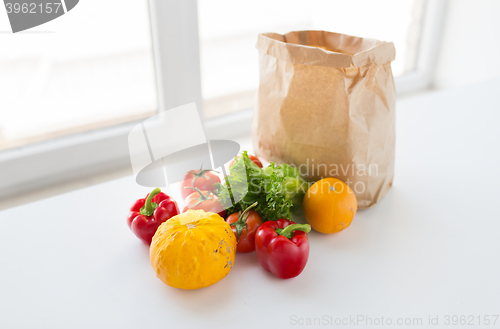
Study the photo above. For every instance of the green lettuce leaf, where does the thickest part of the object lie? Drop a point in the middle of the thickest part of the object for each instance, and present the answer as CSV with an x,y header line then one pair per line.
x,y
275,188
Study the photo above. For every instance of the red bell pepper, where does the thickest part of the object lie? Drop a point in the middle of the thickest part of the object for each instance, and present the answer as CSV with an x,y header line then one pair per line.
x,y
282,247
147,214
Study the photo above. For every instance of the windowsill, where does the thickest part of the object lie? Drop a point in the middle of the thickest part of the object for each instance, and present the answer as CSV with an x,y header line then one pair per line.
x,y
56,190
53,191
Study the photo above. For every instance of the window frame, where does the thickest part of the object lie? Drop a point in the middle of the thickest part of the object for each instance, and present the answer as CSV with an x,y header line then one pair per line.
x,y
422,77
174,30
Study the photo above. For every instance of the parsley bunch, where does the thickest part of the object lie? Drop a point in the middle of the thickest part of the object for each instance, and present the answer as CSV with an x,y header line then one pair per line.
x,y
275,188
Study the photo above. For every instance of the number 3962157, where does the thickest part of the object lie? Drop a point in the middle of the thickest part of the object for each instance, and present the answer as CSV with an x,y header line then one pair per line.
x,y
33,8
470,320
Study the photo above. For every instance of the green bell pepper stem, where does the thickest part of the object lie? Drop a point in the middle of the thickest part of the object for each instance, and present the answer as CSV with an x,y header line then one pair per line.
x,y
149,206
288,231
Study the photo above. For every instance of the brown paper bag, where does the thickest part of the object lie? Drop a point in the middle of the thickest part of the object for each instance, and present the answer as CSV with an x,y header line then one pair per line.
x,y
326,104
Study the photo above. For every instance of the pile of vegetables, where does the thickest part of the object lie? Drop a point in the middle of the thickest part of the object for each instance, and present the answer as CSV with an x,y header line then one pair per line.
x,y
249,210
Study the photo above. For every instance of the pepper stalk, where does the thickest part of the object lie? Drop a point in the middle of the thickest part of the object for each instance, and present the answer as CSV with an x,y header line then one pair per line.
x,y
149,206
288,231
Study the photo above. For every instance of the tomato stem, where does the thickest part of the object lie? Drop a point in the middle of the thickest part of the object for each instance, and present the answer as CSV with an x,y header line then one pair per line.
x,y
241,223
201,198
247,209
199,174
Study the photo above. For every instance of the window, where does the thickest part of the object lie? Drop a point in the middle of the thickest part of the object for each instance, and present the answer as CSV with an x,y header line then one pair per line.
x,y
70,98
228,30
96,72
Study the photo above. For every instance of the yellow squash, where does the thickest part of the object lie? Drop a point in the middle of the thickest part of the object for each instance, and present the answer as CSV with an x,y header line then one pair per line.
x,y
193,250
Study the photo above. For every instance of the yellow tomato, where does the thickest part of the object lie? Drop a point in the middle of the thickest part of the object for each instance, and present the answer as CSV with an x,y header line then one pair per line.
x,y
330,205
193,250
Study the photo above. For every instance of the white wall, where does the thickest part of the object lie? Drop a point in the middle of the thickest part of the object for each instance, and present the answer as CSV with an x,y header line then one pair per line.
x,y
470,44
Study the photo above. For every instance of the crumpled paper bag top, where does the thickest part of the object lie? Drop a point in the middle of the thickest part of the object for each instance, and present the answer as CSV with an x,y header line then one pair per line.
x,y
326,49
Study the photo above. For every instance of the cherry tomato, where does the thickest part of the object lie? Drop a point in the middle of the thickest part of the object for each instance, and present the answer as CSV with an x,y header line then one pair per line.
x,y
251,157
245,224
204,200
203,179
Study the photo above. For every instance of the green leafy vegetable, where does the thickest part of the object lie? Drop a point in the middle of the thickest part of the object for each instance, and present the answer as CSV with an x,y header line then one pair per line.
x,y
275,188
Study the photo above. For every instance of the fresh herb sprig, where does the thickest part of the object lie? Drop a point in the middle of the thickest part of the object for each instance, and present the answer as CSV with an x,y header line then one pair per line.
x,y
275,188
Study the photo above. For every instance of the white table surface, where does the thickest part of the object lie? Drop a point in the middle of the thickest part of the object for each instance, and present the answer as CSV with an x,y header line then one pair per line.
x,y
429,248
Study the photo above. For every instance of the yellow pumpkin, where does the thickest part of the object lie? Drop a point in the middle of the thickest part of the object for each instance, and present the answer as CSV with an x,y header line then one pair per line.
x,y
193,250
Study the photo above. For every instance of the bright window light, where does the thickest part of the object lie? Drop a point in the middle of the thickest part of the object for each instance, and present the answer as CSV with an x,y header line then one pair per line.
x,y
96,72
228,33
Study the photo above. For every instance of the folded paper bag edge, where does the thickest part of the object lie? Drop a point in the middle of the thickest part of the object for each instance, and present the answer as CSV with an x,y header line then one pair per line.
x,y
276,45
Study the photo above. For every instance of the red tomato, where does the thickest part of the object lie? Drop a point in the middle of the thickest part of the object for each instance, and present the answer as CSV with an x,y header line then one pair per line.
x,y
202,179
247,222
251,157
204,200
